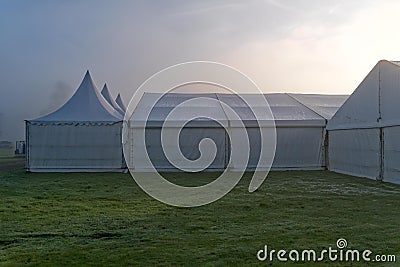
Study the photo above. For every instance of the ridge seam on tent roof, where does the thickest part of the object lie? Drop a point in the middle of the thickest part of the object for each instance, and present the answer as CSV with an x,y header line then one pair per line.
x,y
223,110
379,93
393,62
304,105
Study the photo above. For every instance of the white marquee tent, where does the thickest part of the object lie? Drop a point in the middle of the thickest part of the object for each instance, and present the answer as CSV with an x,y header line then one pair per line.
x,y
364,133
107,95
83,135
120,103
300,122
324,105
189,137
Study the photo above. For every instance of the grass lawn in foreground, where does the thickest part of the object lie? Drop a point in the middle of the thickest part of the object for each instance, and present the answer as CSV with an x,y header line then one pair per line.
x,y
107,220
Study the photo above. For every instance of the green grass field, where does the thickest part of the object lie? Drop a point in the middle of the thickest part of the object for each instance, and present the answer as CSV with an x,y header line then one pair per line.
x,y
107,220
7,155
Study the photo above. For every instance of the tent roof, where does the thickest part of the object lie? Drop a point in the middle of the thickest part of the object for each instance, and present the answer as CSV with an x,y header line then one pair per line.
x,y
287,111
374,103
396,62
166,103
86,105
324,105
120,103
106,94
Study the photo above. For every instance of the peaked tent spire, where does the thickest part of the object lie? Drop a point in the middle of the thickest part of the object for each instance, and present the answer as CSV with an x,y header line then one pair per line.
x,y
120,103
87,104
106,94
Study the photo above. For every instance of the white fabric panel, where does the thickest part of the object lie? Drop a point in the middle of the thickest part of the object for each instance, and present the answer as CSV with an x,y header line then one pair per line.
x,y
391,160
172,99
372,106
390,93
296,148
159,114
374,102
361,110
107,96
355,152
239,100
299,142
286,111
189,142
324,105
299,148
120,103
254,152
61,147
169,102
87,104
286,108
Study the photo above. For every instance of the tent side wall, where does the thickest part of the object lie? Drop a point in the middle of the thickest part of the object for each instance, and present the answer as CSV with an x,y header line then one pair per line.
x,y
189,139
390,95
299,148
363,134
74,147
391,144
371,153
300,134
355,152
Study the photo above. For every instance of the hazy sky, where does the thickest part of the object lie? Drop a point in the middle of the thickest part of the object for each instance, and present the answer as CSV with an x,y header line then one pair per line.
x,y
284,46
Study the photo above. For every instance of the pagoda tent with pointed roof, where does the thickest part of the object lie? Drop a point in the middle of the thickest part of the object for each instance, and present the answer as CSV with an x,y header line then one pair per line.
x,y
82,135
120,103
106,94
364,132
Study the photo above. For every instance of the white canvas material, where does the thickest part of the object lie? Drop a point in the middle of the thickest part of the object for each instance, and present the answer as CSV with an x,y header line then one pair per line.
x,y
87,104
82,135
324,105
85,133
120,103
363,134
107,95
300,129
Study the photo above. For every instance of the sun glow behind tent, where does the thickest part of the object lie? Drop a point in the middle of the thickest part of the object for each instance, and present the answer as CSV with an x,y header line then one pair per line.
x,y
82,135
